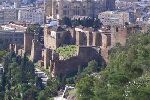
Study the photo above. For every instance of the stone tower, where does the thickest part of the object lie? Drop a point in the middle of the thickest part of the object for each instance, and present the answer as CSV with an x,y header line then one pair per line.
x,y
28,37
36,50
47,57
54,37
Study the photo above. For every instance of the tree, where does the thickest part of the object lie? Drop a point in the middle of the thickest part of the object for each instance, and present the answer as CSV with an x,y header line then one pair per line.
x,y
1,95
126,76
96,24
75,22
34,28
85,88
18,78
42,96
52,87
91,68
67,21
31,94
39,83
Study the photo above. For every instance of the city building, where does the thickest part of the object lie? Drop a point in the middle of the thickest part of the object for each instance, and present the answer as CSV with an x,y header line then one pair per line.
x,y
31,15
110,5
48,7
8,15
70,8
114,18
11,34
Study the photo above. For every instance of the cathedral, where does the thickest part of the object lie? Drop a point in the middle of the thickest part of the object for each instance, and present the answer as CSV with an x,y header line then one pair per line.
x,y
69,8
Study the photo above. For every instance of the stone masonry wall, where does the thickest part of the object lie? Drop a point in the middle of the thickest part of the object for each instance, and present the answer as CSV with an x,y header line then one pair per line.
x,y
64,67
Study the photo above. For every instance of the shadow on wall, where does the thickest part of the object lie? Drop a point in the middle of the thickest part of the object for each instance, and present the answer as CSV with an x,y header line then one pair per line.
x,y
85,55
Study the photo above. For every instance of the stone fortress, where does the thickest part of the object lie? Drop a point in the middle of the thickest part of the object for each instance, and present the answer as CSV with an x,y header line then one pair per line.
x,y
90,45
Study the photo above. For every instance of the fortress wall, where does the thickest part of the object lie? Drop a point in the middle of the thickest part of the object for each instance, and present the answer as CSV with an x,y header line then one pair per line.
x,y
85,54
118,35
28,37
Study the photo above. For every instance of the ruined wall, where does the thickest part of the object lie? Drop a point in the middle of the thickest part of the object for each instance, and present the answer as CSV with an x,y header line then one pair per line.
x,y
106,40
118,35
55,39
28,37
47,32
85,54
36,49
88,38
47,58
93,45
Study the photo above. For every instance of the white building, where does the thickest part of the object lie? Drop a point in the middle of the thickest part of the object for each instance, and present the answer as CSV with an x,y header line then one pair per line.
x,y
31,15
8,15
11,34
69,8
114,18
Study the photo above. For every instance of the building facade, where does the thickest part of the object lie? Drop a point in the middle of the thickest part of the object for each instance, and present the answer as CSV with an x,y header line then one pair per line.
x,y
110,4
114,18
8,15
31,15
70,8
11,34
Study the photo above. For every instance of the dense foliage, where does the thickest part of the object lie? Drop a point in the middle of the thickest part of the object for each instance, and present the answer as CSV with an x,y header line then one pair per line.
x,y
67,51
86,22
127,76
19,81
2,54
34,28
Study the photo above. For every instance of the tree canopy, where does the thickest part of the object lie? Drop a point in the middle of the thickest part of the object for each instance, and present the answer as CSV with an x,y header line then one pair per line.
x,y
19,81
127,75
86,22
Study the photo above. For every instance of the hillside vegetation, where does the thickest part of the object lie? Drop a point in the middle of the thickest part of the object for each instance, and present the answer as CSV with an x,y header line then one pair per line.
x,y
67,51
20,82
127,76
2,54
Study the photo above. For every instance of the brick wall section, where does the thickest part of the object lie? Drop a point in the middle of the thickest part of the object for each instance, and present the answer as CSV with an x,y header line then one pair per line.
x,y
28,37
85,54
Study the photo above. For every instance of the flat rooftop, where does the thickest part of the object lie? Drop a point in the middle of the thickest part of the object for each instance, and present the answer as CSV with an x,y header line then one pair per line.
x,y
13,27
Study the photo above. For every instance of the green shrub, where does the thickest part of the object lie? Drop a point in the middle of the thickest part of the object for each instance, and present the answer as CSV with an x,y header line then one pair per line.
x,y
67,51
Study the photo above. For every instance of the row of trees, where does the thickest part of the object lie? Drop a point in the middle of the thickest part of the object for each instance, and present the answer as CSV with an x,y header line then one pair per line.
x,y
86,22
127,76
34,28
